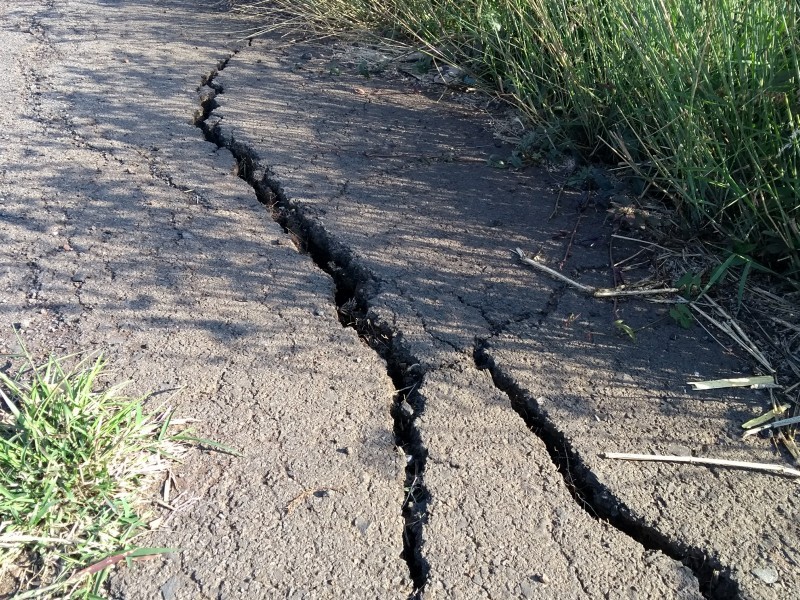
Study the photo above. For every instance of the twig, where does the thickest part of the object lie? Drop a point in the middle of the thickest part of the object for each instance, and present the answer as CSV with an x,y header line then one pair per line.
x,y
732,329
785,324
645,242
571,238
628,259
587,289
306,494
103,564
715,462
553,273
616,274
555,207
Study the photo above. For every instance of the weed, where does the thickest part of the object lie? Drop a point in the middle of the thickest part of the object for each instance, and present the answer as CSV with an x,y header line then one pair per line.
x,y
423,65
689,285
626,329
681,314
77,461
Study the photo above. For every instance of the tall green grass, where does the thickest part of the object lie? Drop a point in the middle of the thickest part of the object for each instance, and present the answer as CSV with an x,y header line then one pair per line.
x,y
699,97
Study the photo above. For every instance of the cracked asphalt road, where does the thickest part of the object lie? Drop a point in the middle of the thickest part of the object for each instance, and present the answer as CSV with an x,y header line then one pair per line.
x,y
125,228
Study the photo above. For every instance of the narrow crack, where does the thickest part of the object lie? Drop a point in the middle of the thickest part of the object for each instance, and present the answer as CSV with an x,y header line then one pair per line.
x,y
35,286
716,581
354,286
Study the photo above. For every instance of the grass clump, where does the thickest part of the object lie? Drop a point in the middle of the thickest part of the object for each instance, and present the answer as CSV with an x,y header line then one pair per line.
x,y
77,462
700,99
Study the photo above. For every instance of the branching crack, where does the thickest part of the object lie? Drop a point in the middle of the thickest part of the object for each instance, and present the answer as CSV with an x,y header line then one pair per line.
x,y
596,499
354,287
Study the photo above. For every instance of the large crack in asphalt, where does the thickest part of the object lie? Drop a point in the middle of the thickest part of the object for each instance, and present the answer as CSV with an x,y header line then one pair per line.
x,y
354,286
716,582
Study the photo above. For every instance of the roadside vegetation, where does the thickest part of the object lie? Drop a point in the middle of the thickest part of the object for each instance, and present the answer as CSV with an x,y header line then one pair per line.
x,y
694,105
698,101
78,468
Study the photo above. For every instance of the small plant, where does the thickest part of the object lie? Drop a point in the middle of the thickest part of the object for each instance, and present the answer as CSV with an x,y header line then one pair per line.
x,y
525,154
689,285
590,178
626,329
77,463
423,65
532,149
681,314
736,259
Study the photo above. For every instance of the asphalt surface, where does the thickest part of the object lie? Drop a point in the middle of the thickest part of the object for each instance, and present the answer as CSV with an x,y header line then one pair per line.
x,y
316,264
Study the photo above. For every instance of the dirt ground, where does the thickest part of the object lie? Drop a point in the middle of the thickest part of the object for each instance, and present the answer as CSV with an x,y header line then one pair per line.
x,y
319,264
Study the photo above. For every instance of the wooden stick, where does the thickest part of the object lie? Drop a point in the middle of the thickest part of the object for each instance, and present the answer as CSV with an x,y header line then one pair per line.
x,y
716,462
574,231
727,327
587,289
553,273
645,242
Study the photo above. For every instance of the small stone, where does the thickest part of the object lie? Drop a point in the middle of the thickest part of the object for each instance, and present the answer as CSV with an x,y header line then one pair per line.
x,y
527,589
306,56
361,524
169,587
679,450
768,575
79,277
